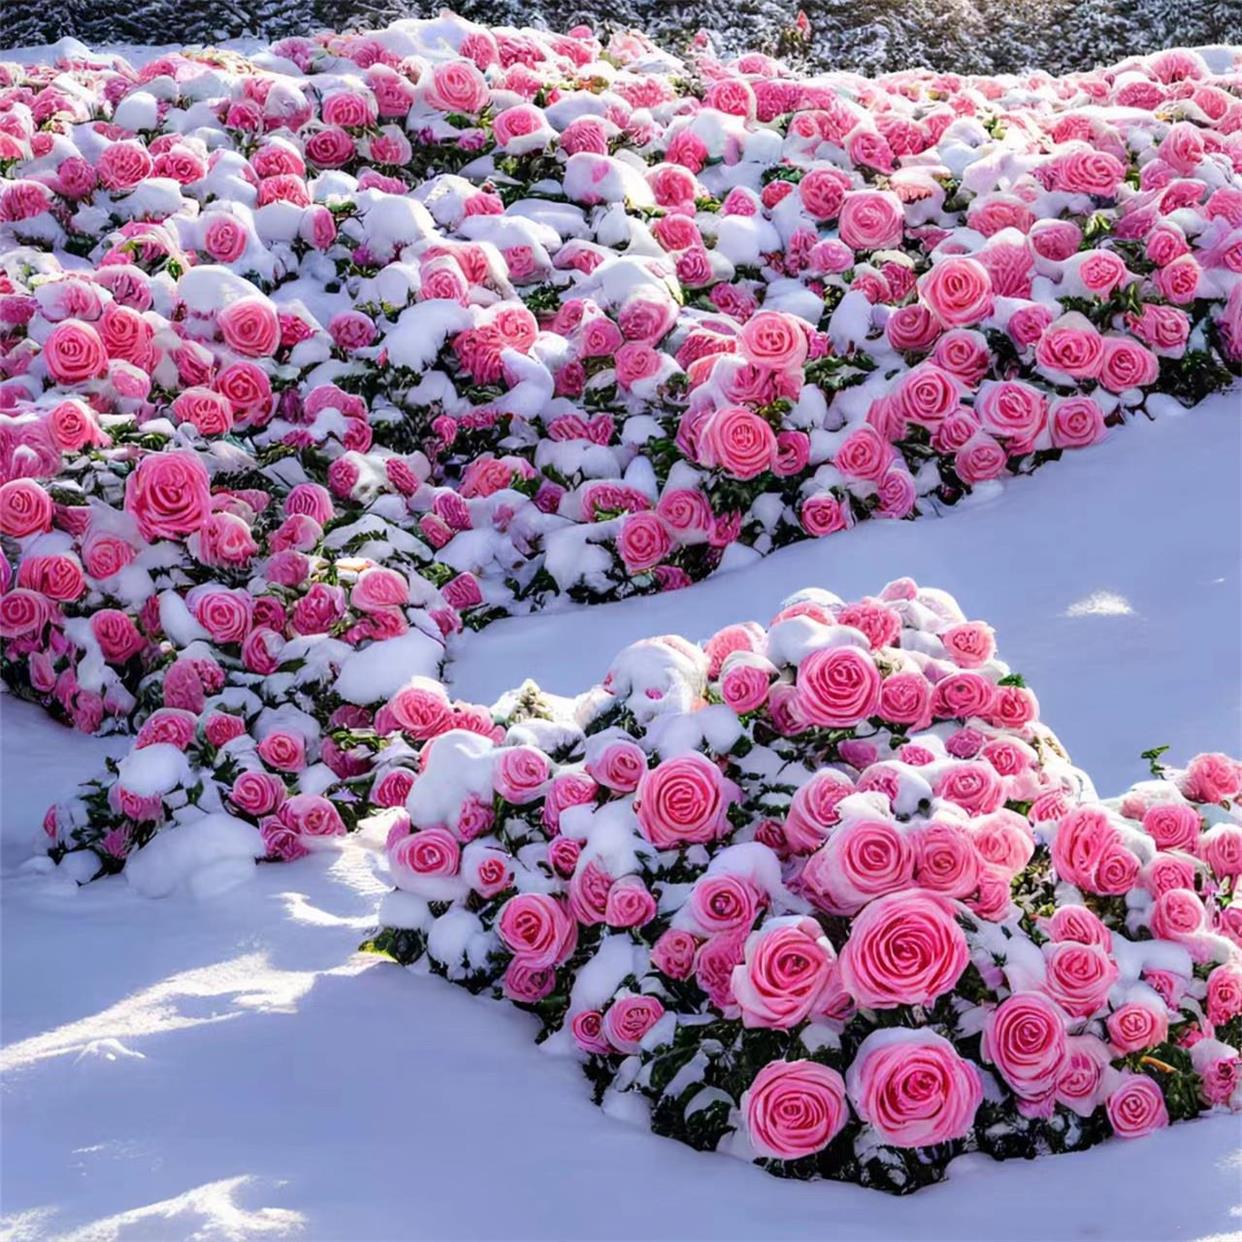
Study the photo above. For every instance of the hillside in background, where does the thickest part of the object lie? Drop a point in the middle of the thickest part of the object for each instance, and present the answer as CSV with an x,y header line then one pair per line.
x,y
869,35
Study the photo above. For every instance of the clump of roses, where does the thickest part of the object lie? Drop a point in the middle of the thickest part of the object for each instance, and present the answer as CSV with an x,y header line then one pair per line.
x,y
826,894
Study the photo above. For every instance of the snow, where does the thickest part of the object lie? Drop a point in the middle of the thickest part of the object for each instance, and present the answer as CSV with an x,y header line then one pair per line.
x,y
225,1065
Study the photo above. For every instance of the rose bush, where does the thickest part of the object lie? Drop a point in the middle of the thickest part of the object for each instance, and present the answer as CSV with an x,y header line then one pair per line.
x,y
852,950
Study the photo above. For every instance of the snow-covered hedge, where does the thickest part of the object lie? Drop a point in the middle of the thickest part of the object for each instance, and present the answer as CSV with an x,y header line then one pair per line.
x,y
828,895
313,357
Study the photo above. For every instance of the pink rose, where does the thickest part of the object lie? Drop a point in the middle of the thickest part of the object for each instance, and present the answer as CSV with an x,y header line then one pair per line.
x,y
1085,1074
587,1029
1136,1107
619,766
286,752
536,928
737,441
74,353
774,340
871,220
1079,976
813,810
860,861
721,903
257,793
520,774
428,852
169,494
903,949
912,1086
250,326
673,954
643,541
1025,1037
25,508
629,1018
629,904
794,1109
946,860
958,290
787,966
824,514
1135,1027
838,687
681,801
1071,347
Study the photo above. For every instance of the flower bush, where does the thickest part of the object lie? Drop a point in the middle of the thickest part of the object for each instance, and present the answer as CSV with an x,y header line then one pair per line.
x,y
829,896
312,358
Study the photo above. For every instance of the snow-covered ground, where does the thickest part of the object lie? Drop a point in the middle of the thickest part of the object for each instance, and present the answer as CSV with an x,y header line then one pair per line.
x,y
229,1067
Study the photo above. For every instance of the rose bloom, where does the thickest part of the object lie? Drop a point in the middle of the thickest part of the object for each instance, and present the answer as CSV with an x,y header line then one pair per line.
x,y
537,928
958,290
946,860
1212,778
1221,847
824,514
775,340
682,801
737,441
871,220
1127,364
428,852
787,966
720,903
1134,1027
629,904
643,541
629,1018
794,1109
903,949
1136,1107
1025,1037
1070,346
673,954
838,687
1079,976
813,810
74,353
860,861
520,774
619,766
25,508
169,494
250,326
1224,995
913,1087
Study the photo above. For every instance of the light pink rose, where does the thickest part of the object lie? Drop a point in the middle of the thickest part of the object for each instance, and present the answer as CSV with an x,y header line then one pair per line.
x,y
958,290
871,220
860,861
903,949
1025,1037
838,687
913,1087
169,495
794,1109
628,1019
787,966
681,801
1136,1107
520,774
537,928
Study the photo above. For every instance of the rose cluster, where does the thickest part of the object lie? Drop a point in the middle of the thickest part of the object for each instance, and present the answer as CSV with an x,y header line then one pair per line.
x,y
828,895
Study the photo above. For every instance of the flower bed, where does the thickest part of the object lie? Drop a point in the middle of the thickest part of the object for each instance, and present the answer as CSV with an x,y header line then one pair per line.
x,y
828,895
312,358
